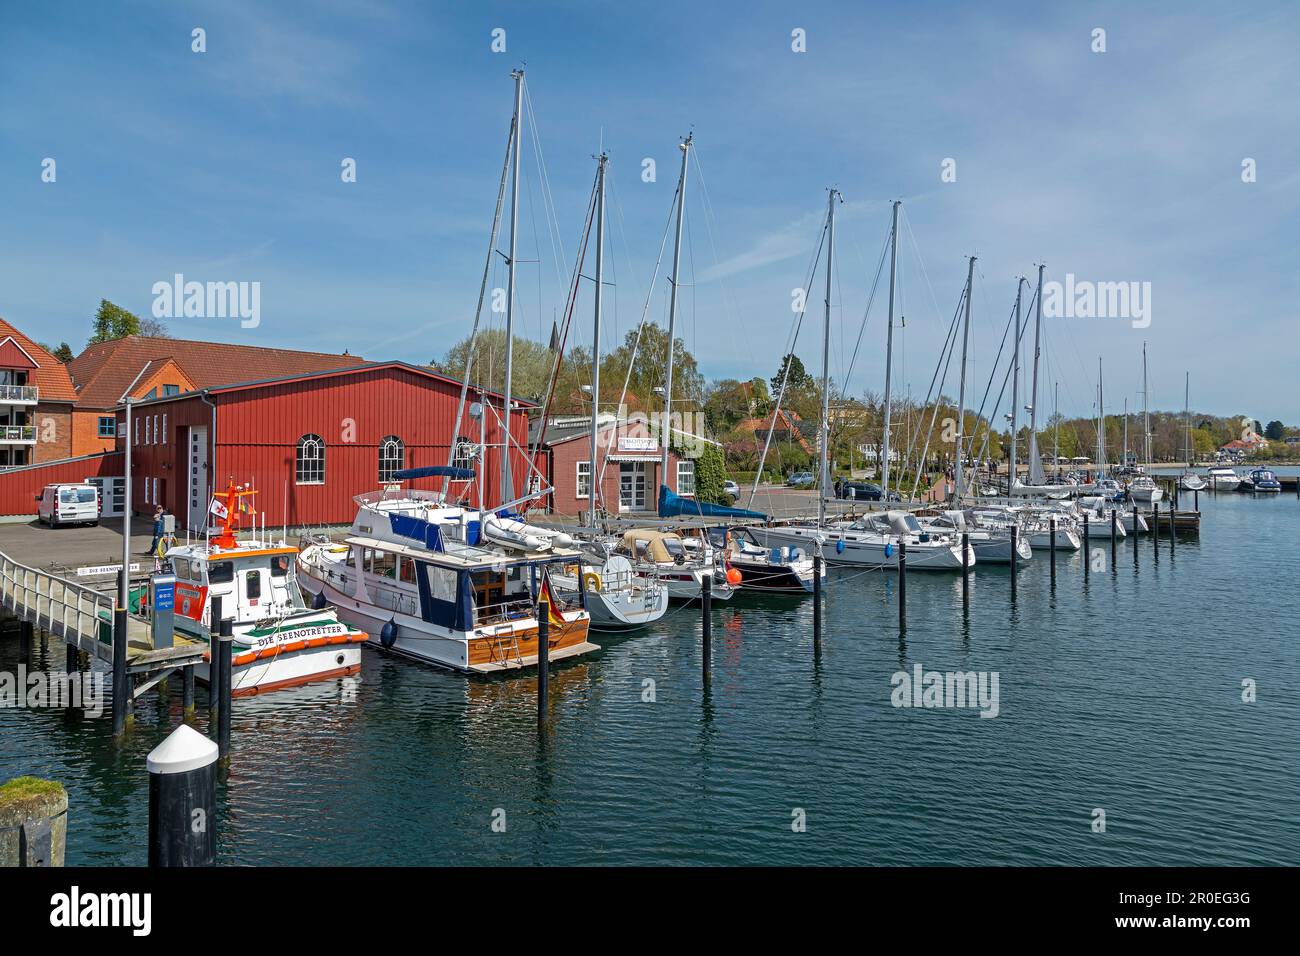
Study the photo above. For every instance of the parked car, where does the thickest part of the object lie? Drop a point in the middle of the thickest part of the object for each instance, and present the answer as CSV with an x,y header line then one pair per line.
x,y
68,504
859,491
801,479
731,488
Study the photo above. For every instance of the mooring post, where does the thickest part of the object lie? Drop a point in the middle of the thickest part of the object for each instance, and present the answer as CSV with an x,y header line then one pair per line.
x,y
33,822
225,642
26,630
902,584
1196,496
1173,529
817,598
1052,547
543,658
706,622
183,800
187,690
121,692
1114,538
1155,529
214,674
1015,546
1087,550
965,569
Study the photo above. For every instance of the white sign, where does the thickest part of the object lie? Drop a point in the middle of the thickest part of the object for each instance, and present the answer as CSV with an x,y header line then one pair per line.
x,y
103,569
635,443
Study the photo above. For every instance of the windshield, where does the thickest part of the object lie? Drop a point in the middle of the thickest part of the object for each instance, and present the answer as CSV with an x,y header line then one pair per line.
x,y
74,495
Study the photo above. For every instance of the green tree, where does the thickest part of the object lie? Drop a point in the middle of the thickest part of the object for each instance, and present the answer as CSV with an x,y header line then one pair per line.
x,y
1274,431
113,322
650,370
710,473
530,370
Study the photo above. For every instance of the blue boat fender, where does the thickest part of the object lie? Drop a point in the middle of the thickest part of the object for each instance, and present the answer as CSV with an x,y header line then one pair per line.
x,y
388,634
889,549
839,546
318,602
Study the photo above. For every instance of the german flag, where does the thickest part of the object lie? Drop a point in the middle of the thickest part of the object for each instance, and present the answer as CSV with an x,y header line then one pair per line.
x,y
547,593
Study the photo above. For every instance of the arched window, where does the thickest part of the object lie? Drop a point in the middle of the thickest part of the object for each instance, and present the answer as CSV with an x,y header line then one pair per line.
x,y
392,453
310,468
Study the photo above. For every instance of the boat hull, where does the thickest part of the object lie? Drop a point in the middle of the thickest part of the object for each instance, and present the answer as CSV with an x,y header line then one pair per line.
x,y
863,550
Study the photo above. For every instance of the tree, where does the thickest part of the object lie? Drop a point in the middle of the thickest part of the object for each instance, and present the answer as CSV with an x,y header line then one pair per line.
x,y
154,329
113,322
650,370
530,370
728,401
710,473
1274,431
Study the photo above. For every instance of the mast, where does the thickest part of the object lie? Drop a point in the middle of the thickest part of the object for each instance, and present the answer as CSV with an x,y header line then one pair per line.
x,y
825,473
1015,385
1187,420
889,348
1056,417
1035,463
1101,420
667,435
1146,412
592,490
1126,431
507,491
961,389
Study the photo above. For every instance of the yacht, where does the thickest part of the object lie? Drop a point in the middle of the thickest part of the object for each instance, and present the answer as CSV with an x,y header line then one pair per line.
x,y
1262,480
1223,479
992,545
448,585
617,597
775,570
1143,488
872,541
664,555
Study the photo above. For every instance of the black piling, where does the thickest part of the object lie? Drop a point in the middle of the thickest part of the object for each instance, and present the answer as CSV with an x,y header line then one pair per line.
x,y
26,633
187,691
1051,550
1114,538
965,569
902,584
73,659
1196,495
121,692
183,800
214,687
543,660
1173,529
817,599
225,642
706,623
1087,549
1015,544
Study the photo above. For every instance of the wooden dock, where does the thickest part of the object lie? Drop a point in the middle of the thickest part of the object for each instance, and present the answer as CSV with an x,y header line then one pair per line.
x,y
83,618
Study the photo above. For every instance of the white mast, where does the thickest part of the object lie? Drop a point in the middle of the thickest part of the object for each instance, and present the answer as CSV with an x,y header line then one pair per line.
x,y
1035,462
889,349
667,433
593,469
1015,385
507,490
961,389
1101,420
1146,412
1187,419
824,482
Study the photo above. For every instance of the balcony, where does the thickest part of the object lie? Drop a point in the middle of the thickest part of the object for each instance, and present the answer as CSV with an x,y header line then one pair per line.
x,y
19,395
17,434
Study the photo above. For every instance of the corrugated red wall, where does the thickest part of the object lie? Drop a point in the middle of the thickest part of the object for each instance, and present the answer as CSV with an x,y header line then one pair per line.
x,y
19,488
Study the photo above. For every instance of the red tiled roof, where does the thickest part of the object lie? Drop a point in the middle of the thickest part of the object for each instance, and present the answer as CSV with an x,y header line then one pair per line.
x,y
50,375
104,371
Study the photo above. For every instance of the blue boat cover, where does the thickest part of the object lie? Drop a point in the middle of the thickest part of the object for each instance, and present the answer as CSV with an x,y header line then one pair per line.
x,y
673,505
435,471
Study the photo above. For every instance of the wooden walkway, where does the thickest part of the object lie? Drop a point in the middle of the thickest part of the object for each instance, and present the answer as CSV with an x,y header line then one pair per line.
x,y
83,617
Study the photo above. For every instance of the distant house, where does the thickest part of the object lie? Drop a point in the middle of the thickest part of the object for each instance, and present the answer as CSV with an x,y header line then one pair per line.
x,y
36,401
1248,443
785,428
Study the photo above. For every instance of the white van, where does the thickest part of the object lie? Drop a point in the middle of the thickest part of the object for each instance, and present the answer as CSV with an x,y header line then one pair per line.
x,y
68,504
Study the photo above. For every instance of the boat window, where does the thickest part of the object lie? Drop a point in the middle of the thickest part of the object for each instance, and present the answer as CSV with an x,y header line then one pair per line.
x,y
383,564
406,570
182,567
673,546
253,585
221,572
642,547
279,566
911,523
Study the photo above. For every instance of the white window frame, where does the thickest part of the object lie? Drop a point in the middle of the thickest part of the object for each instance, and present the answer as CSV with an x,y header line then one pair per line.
x,y
578,474
164,428
298,459
690,466
136,437
388,463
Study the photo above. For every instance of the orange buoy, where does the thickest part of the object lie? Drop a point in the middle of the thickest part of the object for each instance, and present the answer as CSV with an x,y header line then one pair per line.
x,y
734,577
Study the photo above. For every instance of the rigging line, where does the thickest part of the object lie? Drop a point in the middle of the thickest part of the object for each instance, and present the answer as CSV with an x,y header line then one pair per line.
x,y
478,311
949,347
787,362
1006,378
557,238
645,312
949,339
710,217
916,249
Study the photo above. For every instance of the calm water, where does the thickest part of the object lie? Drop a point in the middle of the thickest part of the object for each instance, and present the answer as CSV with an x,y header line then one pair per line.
x,y
1124,694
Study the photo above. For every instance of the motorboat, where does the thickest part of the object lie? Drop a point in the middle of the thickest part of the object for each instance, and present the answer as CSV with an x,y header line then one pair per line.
x,y
1223,479
1191,481
1144,489
1262,480
448,585
279,640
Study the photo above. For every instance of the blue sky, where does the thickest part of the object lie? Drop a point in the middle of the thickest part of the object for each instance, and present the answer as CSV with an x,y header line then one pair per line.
x,y
1116,166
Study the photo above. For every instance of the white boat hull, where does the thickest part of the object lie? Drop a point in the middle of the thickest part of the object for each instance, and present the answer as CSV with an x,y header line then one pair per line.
x,y
866,550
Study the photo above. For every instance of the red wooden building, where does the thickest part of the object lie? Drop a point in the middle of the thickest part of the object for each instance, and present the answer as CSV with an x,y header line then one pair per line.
x,y
310,442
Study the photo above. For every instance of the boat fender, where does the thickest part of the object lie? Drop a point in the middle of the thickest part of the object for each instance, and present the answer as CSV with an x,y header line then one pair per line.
x,y
679,559
388,634
734,577
591,581
318,602
839,546
889,549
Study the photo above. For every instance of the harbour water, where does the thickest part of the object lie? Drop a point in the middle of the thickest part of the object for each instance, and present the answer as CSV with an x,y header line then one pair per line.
x,y
1120,692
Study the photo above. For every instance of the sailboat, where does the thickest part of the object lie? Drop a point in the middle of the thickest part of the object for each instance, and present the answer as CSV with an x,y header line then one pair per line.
x,y
1143,488
873,540
1037,484
1189,480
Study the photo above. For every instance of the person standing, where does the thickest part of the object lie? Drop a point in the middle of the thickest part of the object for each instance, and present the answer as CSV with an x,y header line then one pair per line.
x,y
157,529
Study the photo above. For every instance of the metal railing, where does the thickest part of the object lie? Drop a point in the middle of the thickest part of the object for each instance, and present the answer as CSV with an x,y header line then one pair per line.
x,y
19,393
18,433
54,604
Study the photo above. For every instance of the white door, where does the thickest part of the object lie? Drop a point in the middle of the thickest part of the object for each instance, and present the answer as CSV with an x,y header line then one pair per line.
x,y
632,486
112,495
197,493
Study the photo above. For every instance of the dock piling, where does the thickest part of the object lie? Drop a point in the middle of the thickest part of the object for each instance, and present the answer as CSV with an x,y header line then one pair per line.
x,y
121,692
902,584
225,641
33,822
26,633
1015,544
1155,530
214,629
817,598
706,623
543,660
183,800
1087,550
1173,529
1114,538
1051,550
187,690
965,569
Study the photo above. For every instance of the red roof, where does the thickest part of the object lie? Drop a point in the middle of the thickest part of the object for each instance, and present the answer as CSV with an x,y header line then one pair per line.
x,y
105,371
50,375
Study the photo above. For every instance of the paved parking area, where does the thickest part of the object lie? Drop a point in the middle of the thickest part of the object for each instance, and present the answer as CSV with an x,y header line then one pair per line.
x,y
66,548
